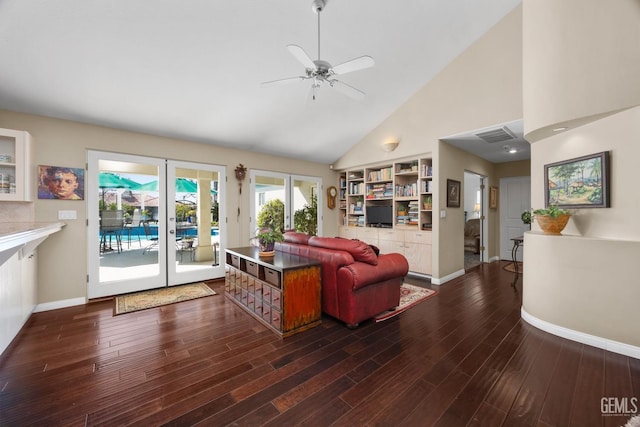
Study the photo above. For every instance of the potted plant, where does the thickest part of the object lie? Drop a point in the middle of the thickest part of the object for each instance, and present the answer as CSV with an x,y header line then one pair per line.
x,y
267,238
427,203
552,220
270,223
527,218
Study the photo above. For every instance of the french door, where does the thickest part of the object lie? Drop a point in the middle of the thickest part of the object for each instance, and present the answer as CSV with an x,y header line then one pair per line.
x,y
296,192
152,223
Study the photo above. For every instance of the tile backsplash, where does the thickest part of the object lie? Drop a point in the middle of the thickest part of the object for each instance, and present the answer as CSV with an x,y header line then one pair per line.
x,y
17,212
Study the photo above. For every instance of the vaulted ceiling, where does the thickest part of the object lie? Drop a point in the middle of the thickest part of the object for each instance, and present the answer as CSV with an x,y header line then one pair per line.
x,y
193,69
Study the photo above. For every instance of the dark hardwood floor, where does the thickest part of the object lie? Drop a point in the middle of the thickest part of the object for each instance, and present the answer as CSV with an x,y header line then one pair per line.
x,y
461,358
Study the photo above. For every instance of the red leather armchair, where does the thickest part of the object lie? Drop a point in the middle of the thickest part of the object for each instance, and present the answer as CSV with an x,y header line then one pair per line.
x,y
357,283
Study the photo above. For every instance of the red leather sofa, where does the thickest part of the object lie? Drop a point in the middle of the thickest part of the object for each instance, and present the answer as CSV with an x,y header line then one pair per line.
x,y
357,283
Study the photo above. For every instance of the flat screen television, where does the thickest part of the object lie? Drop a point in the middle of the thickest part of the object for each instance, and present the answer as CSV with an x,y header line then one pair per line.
x,y
379,216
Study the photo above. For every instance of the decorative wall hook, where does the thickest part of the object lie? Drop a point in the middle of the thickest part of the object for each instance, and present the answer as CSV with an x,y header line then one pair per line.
x,y
241,174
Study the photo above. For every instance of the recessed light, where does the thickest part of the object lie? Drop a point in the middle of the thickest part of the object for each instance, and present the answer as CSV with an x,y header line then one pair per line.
x,y
513,151
560,129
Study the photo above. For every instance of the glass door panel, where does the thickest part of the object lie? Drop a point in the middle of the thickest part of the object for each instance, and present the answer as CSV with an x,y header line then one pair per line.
x,y
299,199
195,238
306,205
126,224
269,189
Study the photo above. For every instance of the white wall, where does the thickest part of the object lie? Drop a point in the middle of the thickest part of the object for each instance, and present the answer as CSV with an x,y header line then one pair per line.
x,y
582,59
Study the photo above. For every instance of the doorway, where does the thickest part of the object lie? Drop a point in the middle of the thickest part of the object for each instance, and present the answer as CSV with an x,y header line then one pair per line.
x,y
474,220
292,192
152,223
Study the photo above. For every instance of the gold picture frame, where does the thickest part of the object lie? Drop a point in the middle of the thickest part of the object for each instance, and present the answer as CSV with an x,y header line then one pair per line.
x,y
493,197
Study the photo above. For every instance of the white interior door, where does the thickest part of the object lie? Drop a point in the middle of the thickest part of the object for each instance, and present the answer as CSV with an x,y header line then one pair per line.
x,y
515,198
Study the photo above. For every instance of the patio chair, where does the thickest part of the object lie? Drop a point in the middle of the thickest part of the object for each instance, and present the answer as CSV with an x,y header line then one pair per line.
x,y
133,227
153,240
111,225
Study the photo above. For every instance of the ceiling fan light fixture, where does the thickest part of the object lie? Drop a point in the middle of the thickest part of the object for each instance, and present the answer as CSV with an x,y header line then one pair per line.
x,y
319,71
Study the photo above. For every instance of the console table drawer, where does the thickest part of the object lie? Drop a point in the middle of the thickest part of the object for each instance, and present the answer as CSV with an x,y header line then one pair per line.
x,y
252,268
235,261
276,299
272,276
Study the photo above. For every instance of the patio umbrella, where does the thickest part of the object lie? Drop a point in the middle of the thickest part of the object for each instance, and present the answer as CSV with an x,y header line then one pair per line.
x,y
112,180
183,185
108,180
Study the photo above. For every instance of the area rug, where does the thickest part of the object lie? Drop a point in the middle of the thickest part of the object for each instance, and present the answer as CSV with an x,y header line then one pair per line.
x,y
410,296
158,297
510,267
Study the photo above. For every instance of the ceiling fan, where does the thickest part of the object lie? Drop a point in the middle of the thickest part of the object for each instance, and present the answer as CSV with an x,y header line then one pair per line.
x,y
320,71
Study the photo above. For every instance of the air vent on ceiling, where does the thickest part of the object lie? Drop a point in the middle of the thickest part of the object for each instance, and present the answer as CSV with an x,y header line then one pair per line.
x,y
496,135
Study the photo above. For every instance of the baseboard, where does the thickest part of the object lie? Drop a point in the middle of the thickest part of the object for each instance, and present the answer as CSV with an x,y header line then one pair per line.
x,y
494,259
445,279
59,304
581,337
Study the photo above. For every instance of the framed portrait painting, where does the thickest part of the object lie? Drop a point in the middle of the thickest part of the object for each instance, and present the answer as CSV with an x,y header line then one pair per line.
x,y
60,182
582,182
453,193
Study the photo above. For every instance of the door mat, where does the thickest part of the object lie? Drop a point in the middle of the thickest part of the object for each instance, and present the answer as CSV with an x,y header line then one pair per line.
x,y
410,296
158,297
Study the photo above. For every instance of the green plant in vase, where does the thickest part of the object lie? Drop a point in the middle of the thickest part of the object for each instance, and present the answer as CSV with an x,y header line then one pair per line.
x,y
551,220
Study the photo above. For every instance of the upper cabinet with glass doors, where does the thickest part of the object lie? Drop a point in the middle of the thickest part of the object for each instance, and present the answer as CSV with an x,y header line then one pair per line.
x,y
15,166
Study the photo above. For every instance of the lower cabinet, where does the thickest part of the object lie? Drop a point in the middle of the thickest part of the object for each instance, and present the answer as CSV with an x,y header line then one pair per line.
x,y
282,292
17,294
415,245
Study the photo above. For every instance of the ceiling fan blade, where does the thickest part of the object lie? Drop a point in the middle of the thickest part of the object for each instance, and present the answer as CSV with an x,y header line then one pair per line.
x,y
283,81
354,65
301,56
345,89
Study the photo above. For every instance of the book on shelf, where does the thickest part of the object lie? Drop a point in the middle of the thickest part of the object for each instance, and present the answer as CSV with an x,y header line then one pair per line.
x,y
427,187
407,190
383,174
379,191
356,188
426,170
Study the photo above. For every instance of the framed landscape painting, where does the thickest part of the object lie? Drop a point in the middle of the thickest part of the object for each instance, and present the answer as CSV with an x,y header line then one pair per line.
x,y
582,182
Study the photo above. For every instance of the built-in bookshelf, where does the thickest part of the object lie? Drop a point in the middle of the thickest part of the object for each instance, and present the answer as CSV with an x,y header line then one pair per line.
x,y
391,206
398,194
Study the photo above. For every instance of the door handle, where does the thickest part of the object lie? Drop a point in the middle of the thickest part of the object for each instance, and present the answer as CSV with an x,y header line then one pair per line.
x,y
172,231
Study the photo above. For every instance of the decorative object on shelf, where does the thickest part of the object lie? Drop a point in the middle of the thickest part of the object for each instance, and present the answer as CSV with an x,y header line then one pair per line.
x,y
267,239
582,182
453,193
59,182
493,197
552,220
270,225
241,174
332,192
390,145
427,203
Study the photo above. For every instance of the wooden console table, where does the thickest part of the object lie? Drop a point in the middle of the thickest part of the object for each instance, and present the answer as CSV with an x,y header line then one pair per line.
x,y
282,292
